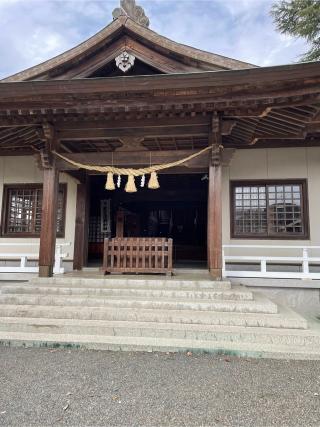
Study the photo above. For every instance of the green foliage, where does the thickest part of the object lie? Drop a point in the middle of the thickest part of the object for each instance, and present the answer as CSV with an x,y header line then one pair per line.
x,y
300,18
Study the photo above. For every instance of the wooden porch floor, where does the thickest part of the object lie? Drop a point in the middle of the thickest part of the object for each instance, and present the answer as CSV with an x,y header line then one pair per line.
x,y
178,274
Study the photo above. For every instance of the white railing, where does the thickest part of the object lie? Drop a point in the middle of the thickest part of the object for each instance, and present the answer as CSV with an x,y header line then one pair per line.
x,y
25,256
303,261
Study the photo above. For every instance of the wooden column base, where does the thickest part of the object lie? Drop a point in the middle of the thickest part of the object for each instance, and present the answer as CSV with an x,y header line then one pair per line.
x,y
216,273
45,270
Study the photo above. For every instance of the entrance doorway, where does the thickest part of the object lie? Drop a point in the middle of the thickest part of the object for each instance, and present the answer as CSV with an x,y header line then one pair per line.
x,y
178,209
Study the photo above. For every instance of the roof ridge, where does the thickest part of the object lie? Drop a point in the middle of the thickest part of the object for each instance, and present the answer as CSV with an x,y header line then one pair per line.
x,y
127,23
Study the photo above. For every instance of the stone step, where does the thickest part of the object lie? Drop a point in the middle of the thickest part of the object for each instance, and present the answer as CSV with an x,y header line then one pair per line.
x,y
259,305
157,344
237,292
116,282
285,318
298,337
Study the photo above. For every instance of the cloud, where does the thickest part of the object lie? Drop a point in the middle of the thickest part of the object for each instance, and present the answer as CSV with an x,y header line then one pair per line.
x,y
36,30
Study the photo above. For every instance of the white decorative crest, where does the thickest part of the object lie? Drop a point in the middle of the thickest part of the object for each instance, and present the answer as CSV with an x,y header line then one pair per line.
x,y
125,61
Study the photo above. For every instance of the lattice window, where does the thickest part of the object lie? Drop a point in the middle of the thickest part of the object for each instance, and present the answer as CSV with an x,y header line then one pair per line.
x,y
22,210
95,233
269,209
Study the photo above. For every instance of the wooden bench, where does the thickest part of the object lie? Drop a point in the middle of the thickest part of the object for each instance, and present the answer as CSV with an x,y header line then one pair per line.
x,y
137,255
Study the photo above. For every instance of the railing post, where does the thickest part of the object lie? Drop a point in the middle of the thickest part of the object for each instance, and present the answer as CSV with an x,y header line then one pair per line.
x,y
305,262
57,260
223,263
23,262
263,266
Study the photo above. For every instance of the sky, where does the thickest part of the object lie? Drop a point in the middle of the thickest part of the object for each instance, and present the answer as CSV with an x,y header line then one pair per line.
x,y
33,31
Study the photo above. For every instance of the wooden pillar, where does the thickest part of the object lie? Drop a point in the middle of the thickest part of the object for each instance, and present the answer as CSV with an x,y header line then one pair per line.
x,y
80,254
48,221
120,223
214,228
215,222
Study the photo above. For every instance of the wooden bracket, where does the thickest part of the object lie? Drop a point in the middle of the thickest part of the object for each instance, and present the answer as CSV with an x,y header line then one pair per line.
x,y
227,126
47,159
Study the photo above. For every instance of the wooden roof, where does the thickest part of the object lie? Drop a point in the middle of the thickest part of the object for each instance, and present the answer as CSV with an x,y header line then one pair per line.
x,y
258,106
124,34
167,110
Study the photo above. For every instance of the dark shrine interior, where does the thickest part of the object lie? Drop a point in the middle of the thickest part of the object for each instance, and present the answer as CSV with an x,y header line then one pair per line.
x,y
178,209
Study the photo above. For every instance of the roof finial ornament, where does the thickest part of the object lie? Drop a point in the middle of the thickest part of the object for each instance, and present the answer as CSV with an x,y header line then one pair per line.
x,y
129,8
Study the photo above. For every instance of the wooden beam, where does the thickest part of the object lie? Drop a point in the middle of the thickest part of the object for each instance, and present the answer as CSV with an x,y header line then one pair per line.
x,y
214,227
112,123
259,76
13,151
259,136
134,158
93,134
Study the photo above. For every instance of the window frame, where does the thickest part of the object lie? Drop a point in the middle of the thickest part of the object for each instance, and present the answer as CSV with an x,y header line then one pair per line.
x,y
5,210
268,182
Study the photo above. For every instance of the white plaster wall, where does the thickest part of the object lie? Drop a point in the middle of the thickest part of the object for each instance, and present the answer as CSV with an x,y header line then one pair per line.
x,y
279,163
14,170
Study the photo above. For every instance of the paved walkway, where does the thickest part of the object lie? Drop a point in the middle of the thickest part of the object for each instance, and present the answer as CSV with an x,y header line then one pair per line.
x,y
63,387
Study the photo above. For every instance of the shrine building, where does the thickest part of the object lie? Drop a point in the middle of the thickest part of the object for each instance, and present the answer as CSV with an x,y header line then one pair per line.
x,y
132,153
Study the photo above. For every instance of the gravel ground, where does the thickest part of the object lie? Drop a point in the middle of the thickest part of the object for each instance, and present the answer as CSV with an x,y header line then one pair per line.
x,y
70,387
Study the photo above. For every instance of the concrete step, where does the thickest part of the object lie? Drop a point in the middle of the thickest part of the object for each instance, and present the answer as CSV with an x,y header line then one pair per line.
x,y
157,344
298,337
259,305
237,292
285,318
116,282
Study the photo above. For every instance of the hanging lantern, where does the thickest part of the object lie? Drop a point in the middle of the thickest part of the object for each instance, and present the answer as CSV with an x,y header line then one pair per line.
x,y
131,185
110,183
143,181
153,183
119,181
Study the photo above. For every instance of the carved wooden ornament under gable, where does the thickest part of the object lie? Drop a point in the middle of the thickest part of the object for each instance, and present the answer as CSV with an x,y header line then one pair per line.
x,y
125,61
129,8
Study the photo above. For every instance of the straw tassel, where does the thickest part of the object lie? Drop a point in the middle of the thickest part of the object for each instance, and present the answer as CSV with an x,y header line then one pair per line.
x,y
153,183
130,185
110,183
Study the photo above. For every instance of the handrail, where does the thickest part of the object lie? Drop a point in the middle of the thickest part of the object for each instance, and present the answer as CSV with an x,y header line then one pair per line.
x,y
271,246
30,244
304,261
23,267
